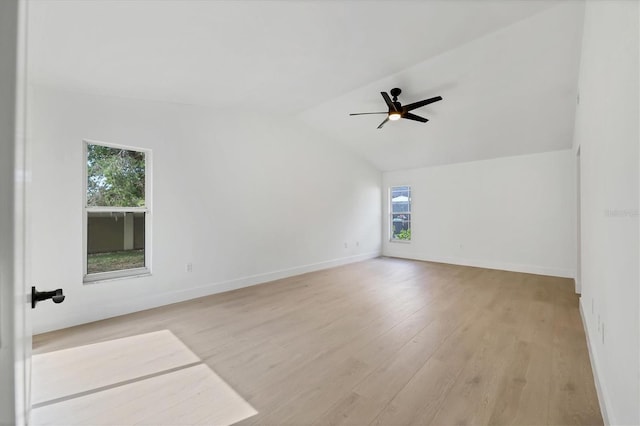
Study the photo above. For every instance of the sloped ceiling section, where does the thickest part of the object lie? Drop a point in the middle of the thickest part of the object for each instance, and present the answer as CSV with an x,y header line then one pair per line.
x,y
511,92
507,69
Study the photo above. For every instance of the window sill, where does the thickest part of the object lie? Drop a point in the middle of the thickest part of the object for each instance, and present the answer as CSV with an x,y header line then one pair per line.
x,y
101,277
400,241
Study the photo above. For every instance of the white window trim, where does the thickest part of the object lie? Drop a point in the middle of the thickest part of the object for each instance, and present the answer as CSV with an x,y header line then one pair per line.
x,y
148,182
390,215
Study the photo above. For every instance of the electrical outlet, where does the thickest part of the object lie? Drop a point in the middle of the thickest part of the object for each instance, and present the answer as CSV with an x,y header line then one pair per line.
x,y
189,267
346,245
357,243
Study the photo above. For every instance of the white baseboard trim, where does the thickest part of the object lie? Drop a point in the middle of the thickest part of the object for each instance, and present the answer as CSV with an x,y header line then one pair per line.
x,y
127,306
251,280
600,389
503,266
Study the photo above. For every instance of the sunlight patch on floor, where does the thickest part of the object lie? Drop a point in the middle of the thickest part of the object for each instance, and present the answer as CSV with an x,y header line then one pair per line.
x,y
151,378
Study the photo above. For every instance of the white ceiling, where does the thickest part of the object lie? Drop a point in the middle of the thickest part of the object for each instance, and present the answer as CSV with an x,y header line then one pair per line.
x,y
507,69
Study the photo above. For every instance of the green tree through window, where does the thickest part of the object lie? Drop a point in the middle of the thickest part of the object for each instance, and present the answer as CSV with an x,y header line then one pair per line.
x,y
115,177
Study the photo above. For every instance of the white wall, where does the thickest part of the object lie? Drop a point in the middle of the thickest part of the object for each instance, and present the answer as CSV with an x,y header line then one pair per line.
x,y
245,198
607,134
513,213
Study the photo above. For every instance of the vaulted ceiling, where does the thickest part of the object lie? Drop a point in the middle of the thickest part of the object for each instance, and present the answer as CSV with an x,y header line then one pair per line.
x,y
507,70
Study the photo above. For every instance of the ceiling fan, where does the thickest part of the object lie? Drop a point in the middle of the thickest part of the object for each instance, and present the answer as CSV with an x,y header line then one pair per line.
x,y
397,111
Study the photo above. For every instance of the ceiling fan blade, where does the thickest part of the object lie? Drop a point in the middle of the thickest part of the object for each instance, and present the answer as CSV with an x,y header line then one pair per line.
x,y
414,117
366,113
383,123
388,101
421,103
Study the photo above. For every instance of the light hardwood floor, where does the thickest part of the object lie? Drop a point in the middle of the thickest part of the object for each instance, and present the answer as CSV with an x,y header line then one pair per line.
x,y
146,379
385,341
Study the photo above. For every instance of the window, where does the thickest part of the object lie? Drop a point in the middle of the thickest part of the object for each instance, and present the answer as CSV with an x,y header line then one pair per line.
x,y
116,212
400,213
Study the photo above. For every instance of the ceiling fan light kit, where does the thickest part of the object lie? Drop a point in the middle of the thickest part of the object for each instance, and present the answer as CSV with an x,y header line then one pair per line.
x,y
397,111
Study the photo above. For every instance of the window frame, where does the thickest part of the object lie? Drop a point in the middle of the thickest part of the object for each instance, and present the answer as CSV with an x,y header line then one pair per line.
x,y
124,273
391,213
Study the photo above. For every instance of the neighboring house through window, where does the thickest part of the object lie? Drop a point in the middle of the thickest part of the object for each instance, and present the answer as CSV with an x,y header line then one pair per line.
x,y
400,213
116,212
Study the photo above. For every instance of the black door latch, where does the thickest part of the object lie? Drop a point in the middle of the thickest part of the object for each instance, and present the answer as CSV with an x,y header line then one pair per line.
x,y
38,296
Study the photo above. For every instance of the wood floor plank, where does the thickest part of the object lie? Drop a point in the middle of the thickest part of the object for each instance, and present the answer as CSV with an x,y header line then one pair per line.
x,y
394,374
472,397
529,374
191,396
572,398
385,341
105,363
419,401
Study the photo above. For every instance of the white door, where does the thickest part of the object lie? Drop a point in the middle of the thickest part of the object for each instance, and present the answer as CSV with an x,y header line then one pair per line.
x,y
15,332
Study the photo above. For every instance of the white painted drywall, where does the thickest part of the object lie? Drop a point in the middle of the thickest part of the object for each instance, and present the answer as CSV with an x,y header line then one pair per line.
x,y
513,213
245,197
607,133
